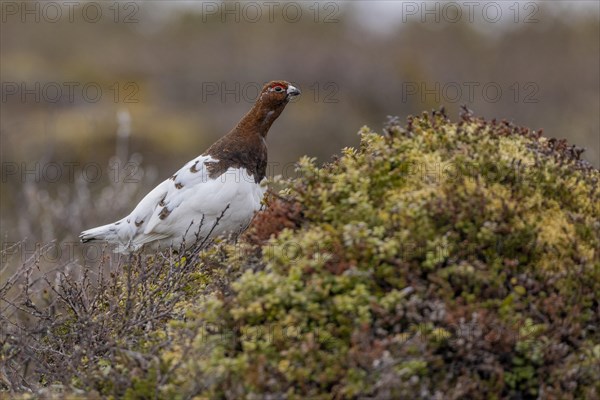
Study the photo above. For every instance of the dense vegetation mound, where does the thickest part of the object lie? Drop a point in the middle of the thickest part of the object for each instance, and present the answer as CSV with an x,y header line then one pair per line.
x,y
438,260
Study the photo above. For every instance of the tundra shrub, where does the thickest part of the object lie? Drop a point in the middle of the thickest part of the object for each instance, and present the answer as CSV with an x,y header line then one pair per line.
x,y
438,260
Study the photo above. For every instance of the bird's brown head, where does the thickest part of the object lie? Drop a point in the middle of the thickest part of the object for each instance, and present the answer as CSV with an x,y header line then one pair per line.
x,y
270,103
276,93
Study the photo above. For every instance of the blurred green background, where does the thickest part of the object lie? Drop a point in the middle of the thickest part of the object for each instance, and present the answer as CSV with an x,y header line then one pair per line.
x,y
172,77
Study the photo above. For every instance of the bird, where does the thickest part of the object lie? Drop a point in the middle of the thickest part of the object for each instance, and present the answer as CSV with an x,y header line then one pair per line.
x,y
215,194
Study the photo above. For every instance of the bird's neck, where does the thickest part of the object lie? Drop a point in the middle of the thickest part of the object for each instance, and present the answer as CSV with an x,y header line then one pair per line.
x,y
258,120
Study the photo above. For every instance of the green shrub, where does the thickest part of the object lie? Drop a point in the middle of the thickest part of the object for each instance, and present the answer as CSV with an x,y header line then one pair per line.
x,y
438,260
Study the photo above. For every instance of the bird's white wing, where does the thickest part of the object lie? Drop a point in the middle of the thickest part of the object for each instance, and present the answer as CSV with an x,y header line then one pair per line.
x,y
190,194
166,196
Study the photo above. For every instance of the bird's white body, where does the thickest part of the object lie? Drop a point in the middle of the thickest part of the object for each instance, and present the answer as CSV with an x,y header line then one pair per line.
x,y
186,207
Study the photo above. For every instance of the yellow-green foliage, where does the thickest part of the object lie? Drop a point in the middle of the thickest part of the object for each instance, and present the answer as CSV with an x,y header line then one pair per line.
x,y
438,260
452,259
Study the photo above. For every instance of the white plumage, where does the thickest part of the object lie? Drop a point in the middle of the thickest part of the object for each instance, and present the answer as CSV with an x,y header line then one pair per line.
x,y
191,199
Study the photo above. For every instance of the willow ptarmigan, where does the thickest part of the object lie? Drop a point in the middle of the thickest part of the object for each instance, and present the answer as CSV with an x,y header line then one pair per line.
x,y
222,184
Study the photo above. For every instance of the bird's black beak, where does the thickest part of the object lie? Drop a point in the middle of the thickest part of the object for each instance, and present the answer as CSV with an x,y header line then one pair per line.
x,y
292,91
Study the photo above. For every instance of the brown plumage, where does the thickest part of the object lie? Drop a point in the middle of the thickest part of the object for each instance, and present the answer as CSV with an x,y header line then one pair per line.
x,y
245,145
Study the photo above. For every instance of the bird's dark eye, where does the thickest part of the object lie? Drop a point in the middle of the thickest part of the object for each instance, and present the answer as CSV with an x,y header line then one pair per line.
x,y
278,89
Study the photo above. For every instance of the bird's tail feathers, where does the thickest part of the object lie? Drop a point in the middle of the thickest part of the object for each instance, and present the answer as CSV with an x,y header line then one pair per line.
x,y
104,232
